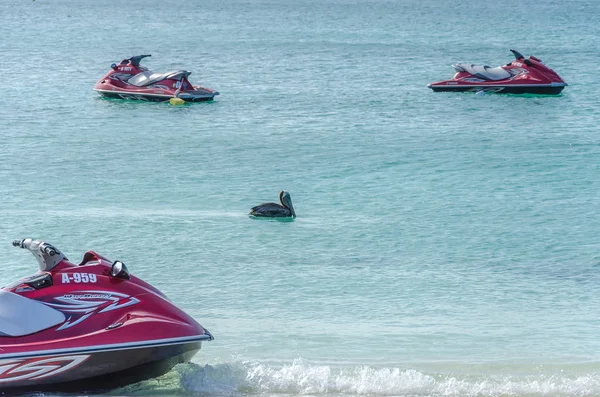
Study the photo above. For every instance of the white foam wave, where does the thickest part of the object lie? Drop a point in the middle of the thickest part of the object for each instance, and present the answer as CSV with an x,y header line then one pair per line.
x,y
302,378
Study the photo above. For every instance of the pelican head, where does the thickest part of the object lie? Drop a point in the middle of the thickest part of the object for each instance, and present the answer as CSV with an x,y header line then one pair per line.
x,y
286,201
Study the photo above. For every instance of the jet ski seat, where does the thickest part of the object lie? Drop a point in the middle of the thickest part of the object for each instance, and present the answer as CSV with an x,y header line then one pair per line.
x,y
482,71
146,78
21,316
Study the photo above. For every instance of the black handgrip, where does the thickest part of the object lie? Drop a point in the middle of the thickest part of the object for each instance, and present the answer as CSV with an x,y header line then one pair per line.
x,y
17,243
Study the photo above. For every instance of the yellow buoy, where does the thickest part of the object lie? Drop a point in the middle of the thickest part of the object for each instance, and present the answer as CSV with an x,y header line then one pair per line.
x,y
176,101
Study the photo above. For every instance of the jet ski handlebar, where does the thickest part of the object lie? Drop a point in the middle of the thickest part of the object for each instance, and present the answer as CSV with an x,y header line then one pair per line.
x,y
135,61
517,54
46,254
35,245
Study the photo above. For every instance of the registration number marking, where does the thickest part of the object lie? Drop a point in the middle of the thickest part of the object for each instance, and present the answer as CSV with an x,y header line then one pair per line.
x,y
79,278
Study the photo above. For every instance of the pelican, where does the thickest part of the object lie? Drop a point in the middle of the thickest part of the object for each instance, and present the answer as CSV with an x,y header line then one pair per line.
x,y
274,210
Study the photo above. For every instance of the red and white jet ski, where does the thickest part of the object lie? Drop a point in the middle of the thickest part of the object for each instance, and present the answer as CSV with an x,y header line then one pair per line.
x,y
86,327
522,76
130,80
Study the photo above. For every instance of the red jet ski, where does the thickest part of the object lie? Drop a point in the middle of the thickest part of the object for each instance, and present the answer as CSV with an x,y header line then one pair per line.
x,y
87,327
522,76
130,80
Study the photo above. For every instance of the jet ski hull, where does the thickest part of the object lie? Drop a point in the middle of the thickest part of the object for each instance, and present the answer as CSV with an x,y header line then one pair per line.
x,y
88,327
499,89
143,96
522,76
93,369
130,80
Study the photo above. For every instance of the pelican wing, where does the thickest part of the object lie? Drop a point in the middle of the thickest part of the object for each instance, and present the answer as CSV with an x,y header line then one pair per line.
x,y
270,209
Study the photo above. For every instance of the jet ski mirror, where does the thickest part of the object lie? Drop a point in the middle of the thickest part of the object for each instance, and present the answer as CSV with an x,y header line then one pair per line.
x,y
119,270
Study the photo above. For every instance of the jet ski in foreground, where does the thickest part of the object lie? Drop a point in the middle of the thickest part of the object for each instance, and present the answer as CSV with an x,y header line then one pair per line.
x,y
522,76
87,327
130,80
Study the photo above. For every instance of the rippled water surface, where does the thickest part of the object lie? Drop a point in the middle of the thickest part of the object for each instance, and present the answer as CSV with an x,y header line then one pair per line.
x,y
445,245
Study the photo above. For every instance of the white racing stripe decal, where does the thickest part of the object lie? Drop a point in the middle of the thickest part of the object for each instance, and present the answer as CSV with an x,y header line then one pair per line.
x,y
32,369
116,346
80,305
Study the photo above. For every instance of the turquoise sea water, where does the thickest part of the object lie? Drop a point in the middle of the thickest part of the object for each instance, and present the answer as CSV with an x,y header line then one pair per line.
x,y
445,245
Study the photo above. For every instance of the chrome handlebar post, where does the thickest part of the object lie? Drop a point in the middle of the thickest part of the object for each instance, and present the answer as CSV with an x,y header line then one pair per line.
x,y
46,254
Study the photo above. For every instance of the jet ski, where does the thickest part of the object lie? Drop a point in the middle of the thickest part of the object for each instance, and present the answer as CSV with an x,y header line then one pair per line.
x,y
130,80
88,327
522,76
